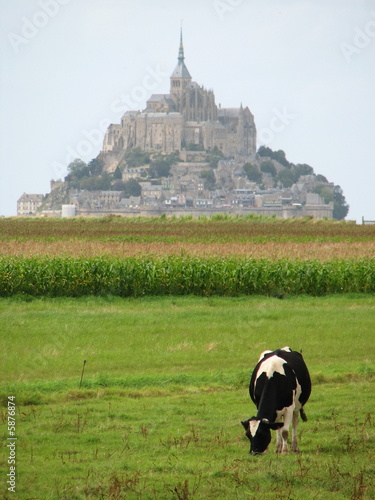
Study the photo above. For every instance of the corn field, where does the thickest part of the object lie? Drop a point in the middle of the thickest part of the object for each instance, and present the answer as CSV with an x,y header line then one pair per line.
x,y
184,275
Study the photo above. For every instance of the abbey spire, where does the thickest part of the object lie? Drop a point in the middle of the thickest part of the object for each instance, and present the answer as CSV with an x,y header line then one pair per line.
x,y
181,56
180,77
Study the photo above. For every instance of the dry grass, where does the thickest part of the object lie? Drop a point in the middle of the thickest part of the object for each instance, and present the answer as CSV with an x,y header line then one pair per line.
x,y
242,237
273,250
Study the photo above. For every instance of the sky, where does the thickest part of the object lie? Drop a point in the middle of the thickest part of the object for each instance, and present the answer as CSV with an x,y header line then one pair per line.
x,y
305,68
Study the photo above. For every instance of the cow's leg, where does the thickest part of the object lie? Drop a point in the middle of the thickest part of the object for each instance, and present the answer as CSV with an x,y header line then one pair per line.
x,y
284,435
294,432
279,441
284,431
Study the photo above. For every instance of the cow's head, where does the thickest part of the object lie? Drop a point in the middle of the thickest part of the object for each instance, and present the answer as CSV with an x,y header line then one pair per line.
x,y
259,433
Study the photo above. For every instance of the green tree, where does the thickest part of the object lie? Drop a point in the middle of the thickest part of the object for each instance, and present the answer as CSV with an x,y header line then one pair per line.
x,y
340,207
280,157
324,192
135,157
117,174
214,156
286,177
77,170
209,179
302,169
118,185
96,167
252,173
264,151
173,158
132,188
159,168
161,164
268,167
97,183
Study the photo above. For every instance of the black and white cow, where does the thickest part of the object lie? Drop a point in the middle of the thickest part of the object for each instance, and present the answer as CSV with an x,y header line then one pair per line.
x,y
279,386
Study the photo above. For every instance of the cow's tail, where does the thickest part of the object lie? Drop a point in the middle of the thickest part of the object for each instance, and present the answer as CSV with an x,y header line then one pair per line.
x,y
303,415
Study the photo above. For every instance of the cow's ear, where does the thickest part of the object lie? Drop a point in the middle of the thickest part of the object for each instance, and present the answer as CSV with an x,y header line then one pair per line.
x,y
276,425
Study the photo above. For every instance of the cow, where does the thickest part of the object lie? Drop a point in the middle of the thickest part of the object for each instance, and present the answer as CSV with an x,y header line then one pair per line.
x,y
280,385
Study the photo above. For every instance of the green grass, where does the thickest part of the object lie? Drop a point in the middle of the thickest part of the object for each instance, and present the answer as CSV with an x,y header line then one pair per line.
x,y
191,445
141,337
165,388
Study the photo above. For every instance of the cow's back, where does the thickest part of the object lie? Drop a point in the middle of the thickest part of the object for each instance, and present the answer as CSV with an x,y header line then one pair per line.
x,y
294,361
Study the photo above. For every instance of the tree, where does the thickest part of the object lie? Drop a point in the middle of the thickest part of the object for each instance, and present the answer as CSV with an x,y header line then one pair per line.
x,y
96,167
324,192
132,188
97,183
135,157
302,169
263,151
286,178
252,173
161,164
87,176
77,169
214,156
118,185
280,157
209,179
117,174
159,168
268,168
340,207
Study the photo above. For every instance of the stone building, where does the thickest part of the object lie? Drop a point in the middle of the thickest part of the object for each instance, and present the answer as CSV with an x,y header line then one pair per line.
x,y
186,118
28,204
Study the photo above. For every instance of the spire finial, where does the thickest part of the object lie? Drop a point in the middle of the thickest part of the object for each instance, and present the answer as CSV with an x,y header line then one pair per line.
x,y
181,56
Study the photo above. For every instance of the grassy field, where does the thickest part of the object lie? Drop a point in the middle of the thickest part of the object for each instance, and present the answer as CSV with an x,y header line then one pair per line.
x,y
224,255
224,236
164,390
165,386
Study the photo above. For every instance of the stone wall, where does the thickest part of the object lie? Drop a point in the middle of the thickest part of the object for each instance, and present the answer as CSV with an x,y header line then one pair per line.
x,y
315,211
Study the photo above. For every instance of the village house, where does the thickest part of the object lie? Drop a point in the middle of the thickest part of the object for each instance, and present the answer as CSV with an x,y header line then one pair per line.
x,y
28,204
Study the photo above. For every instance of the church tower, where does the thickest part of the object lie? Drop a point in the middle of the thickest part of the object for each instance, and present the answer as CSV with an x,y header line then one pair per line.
x,y
180,77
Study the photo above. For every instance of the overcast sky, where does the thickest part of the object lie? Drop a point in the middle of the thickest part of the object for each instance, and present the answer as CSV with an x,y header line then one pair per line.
x,y
305,68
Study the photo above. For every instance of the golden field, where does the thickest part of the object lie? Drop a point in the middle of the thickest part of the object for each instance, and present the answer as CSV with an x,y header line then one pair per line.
x,y
251,237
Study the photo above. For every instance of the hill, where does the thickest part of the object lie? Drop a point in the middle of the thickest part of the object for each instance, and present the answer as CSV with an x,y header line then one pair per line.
x,y
197,183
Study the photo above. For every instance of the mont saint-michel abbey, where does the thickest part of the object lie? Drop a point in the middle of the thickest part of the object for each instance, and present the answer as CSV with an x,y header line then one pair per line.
x,y
217,168
186,117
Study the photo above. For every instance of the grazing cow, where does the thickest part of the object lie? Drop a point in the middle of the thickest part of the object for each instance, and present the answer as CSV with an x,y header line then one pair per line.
x,y
279,386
